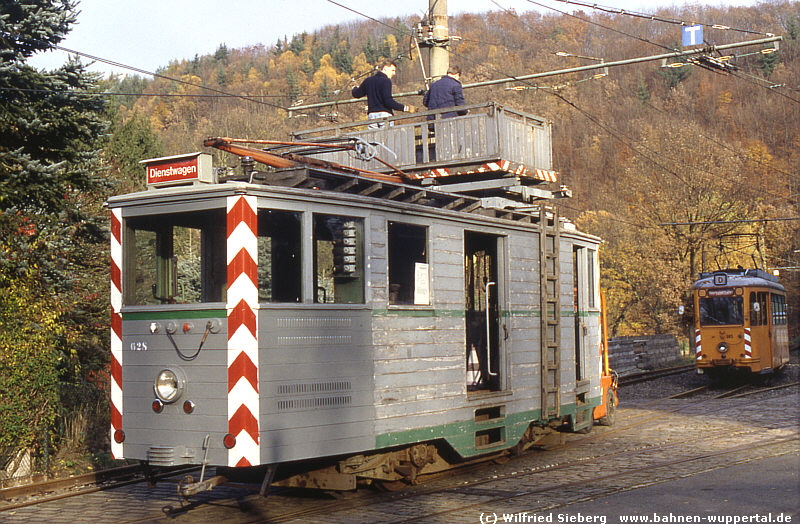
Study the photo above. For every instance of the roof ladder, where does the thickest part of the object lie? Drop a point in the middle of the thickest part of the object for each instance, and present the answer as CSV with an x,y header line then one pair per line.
x,y
550,334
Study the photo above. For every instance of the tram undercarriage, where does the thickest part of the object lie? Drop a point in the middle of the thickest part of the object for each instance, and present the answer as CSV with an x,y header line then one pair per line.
x,y
388,471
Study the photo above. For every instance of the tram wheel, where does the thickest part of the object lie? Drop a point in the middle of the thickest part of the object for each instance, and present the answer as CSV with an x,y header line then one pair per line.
x,y
611,410
390,485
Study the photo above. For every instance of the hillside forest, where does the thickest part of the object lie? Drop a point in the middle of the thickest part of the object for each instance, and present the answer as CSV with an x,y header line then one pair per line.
x,y
642,147
679,168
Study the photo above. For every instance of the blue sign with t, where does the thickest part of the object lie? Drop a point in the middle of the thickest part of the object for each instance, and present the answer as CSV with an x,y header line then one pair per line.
x,y
692,35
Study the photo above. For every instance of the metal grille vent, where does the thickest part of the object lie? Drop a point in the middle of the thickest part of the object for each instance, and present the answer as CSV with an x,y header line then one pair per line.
x,y
316,340
314,387
161,456
315,322
315,395
314,403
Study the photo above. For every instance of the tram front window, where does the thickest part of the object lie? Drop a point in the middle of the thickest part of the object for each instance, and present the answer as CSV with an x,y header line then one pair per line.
x,y
721,311
279,265
175,260
338,259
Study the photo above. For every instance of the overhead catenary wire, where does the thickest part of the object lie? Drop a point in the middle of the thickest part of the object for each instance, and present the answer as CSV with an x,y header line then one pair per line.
x,y
613,132
145,95
309,106
623,33
737,221
590,67
163,76
250,98
160,75
672,21
619,136
656,18
607,128
738,153
523,78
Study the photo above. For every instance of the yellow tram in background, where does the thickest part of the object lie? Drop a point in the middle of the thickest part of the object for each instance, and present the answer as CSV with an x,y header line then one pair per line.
x,y
740,322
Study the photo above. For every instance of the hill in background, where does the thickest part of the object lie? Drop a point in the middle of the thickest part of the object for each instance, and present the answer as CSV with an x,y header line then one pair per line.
x,y
642,148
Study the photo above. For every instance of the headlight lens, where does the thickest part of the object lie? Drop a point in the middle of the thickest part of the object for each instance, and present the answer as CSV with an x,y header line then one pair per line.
x,y
722,347
168,386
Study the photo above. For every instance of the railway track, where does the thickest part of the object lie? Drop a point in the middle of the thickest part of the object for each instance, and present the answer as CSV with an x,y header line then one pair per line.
x,y
702,450
555,480
644,376
56,489
583,454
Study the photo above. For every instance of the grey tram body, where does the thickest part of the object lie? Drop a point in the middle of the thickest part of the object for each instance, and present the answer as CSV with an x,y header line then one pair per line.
x,y
355,378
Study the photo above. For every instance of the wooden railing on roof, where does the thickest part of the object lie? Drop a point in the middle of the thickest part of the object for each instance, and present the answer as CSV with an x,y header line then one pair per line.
x,y
489,133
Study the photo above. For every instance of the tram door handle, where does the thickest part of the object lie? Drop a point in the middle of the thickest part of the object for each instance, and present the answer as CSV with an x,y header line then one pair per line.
x,y
489,331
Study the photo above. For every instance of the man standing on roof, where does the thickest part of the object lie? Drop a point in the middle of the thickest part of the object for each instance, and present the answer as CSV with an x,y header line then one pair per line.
x,y
378,89
446,92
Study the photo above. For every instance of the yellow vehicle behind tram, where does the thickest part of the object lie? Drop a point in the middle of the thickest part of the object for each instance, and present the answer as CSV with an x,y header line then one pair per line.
x,y
740,322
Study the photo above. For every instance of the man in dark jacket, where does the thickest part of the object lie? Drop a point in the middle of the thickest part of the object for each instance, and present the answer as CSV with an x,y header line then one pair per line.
x,y
446,92
378,89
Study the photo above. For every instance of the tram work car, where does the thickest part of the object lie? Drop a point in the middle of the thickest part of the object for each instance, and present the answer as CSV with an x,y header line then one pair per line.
x,y
740,322
339,327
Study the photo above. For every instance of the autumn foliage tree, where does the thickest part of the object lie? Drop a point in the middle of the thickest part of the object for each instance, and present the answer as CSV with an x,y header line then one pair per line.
x,y
644,147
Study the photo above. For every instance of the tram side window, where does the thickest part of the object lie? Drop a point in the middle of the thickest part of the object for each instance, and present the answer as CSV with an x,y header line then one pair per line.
x,y
758,308
779,316
721,311
408,264
591,267
279,264
175,260
338,259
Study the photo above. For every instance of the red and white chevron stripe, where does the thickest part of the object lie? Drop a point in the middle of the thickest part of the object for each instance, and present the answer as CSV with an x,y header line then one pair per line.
x,y
116,330
698,350
242,302
500,166
748,348
546,175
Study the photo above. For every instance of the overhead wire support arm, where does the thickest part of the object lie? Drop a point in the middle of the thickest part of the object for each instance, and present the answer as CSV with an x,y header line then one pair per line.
x,y
590,67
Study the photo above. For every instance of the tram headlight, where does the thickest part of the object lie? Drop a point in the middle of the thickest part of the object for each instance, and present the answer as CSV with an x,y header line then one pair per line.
x,y
168,385
722,347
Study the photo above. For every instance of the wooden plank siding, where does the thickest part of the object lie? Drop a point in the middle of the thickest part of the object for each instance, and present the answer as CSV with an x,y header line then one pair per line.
x,y
419,350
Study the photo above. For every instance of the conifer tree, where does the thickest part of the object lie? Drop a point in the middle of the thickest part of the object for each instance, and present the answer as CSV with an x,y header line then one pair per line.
x,y
52,228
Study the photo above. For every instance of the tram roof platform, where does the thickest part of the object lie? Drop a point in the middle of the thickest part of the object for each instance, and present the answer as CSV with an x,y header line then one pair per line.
x,y
492,147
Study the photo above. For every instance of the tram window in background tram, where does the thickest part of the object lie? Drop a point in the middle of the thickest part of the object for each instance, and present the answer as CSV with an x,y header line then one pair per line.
x,y
338,259
778,310
721,311
279,265
408,264
758,314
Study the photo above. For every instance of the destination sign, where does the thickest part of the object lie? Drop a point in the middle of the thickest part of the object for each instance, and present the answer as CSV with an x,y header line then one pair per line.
x,y
720,292
177,170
